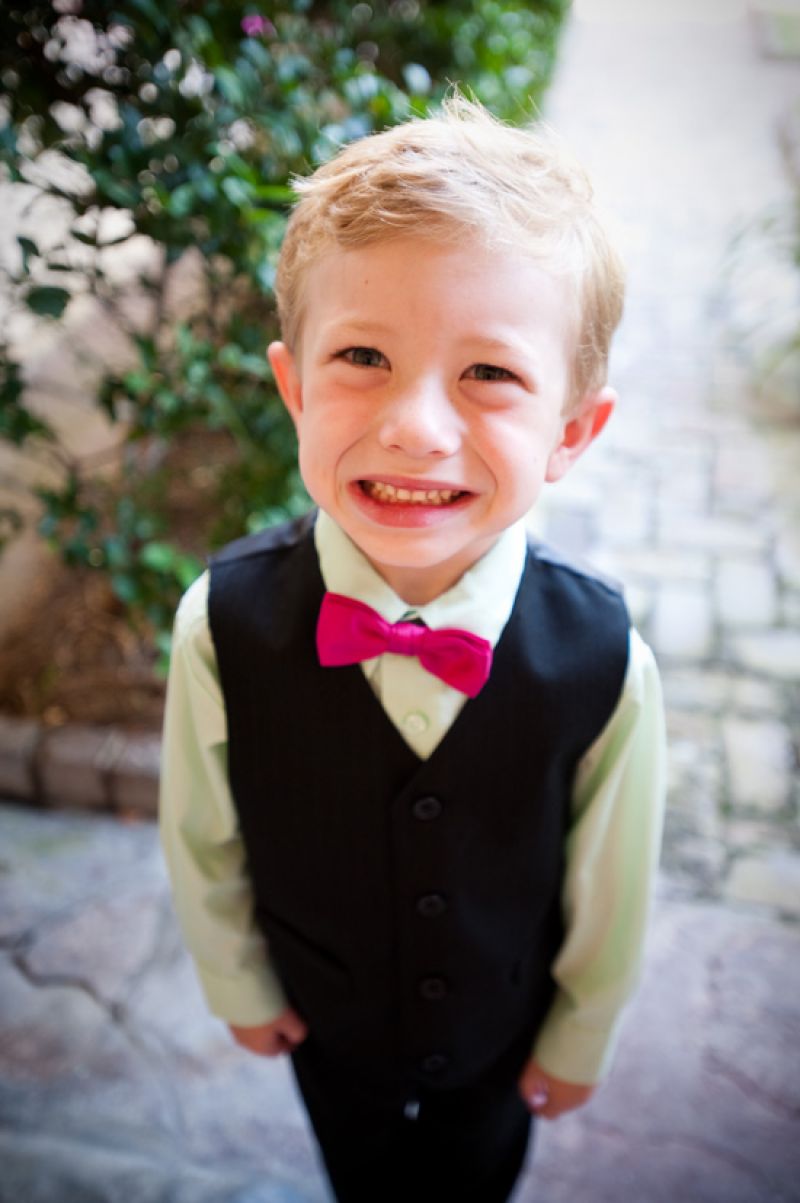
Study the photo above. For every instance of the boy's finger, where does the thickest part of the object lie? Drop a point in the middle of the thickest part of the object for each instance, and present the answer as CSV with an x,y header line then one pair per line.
x,y
293,1030
279,1044
534,1088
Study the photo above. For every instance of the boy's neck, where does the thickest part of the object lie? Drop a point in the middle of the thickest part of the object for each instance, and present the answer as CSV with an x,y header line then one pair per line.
x,y
421,586
415,592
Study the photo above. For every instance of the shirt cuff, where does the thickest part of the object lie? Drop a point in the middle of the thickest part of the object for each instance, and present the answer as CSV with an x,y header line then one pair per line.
x,y
573,1051
248,1001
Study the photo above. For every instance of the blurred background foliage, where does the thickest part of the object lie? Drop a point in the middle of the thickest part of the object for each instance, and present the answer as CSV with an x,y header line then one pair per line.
x,y
181,122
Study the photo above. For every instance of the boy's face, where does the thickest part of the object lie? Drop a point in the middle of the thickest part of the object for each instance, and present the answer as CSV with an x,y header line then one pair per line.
x,y
428,397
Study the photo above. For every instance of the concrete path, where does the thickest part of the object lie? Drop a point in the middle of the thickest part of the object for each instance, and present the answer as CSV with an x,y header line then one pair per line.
x,y
114,1082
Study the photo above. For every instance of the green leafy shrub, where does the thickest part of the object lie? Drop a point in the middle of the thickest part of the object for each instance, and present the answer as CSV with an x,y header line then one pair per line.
x,y
182,122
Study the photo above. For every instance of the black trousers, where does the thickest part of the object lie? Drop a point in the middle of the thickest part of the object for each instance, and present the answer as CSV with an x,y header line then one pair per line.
x,y
416,1145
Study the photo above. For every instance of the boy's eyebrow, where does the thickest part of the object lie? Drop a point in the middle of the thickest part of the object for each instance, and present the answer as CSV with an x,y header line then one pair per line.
x,y
345,324
517,346
499,344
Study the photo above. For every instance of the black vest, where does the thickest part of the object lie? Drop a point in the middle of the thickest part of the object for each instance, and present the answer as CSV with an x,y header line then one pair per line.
x,y
412,908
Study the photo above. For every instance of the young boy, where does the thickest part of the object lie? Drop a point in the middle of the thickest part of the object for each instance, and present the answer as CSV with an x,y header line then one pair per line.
x,y
412,785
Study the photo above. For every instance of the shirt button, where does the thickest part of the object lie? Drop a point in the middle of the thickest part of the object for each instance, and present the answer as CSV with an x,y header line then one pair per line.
x,y
426,809
431,906
433,989
415,722
434,1063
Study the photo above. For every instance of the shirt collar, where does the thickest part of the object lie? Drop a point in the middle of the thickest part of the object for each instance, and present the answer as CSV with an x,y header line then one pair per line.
x,y
481,601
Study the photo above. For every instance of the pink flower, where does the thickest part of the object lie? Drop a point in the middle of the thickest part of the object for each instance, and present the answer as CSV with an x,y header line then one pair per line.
x,y
255,24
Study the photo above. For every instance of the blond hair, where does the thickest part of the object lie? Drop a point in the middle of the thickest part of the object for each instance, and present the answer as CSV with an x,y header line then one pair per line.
x,y
463,171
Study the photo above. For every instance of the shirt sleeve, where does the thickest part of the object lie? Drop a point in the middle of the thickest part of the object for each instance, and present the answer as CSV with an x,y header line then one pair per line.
x,y
202,845
611,861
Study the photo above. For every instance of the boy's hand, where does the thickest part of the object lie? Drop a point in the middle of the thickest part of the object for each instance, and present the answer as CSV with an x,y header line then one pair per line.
x,y
548,1096
272,1039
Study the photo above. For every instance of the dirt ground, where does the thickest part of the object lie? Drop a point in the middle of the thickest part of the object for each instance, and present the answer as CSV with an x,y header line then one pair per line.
x,y
75,657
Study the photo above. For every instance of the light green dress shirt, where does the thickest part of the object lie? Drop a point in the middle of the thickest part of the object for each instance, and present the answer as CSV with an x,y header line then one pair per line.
x,y
612,846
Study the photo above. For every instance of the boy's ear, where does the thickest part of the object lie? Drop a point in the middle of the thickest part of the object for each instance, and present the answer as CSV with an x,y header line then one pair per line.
x,y
287,378
579,430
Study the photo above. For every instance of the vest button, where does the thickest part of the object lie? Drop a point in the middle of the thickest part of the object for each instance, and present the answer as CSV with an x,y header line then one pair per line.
x,y
433,989
434,1063
426,809
431,906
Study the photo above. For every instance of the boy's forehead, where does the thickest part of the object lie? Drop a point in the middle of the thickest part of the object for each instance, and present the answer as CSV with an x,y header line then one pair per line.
x,y
458,253
420,262
414,288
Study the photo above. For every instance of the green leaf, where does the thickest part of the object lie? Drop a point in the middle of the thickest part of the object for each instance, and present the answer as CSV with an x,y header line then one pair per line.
x,y
123,195
137,383
417,79
11,524
181,201
153,12
48,301
29,249
238,192
17,425
163,643
230,356
125,587
265,275
188,569
48,527
116,551
230,86
255,365
160,557
275,194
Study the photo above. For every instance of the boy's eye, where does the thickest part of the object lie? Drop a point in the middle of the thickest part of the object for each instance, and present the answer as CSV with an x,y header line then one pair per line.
x,y
488,372
363,357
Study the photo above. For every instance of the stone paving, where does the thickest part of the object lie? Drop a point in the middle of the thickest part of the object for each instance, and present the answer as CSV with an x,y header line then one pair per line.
x,y
114,1082
117,1087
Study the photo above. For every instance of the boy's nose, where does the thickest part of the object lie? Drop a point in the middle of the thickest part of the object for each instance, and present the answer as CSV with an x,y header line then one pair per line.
x,y
421,422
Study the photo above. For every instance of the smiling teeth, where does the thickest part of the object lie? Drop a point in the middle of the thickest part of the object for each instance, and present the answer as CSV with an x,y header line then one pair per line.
x,y
380,491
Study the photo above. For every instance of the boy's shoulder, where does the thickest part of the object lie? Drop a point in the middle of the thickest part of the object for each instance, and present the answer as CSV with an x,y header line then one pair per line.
x,y
273,538
580,570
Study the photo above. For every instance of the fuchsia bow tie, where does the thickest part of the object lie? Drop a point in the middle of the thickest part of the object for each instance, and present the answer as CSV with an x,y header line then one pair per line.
x,y
348,632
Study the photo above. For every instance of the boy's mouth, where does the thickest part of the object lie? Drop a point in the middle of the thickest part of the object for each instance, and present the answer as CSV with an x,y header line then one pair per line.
x,y
381,491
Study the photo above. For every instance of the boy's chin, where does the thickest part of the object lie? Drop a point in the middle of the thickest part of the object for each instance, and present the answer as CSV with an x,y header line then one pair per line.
x,y
420,571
